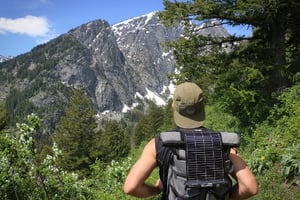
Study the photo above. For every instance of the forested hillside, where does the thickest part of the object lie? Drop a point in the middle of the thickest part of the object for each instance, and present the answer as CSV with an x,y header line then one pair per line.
x,y
253,89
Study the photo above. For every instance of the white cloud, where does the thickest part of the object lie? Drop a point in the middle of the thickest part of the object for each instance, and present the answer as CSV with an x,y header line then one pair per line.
x,y
28,25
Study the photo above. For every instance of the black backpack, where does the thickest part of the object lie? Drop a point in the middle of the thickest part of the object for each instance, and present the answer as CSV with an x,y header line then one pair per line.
x,y
199,164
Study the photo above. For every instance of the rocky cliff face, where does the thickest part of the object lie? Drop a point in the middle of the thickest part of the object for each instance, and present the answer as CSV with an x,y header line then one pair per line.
x,y
121,61
113,64
127,59
140,41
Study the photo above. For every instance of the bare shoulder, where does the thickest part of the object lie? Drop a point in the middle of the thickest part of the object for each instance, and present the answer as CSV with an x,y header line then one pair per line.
x,y
149,149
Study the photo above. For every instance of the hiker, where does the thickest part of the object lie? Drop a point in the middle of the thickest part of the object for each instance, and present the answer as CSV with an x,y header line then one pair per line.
x,y
188,112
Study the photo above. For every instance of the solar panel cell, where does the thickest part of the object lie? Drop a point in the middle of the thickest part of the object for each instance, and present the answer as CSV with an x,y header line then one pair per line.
x,y
204,159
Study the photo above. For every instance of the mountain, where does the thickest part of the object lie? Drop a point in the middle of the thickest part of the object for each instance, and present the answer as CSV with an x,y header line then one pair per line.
x,y
5,58
114,64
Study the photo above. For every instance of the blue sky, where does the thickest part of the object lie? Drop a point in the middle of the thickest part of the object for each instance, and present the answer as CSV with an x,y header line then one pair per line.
x,y
26,23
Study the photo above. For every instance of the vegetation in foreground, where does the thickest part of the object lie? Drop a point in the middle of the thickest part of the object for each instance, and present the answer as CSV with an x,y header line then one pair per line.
x,y
253,90
272,152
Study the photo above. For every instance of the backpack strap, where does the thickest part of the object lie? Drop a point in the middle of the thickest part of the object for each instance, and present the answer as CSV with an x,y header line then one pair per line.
x,y
175,138
172,138
230,139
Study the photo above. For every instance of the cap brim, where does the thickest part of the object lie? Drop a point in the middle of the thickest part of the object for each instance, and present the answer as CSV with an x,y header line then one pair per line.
x,y
194,121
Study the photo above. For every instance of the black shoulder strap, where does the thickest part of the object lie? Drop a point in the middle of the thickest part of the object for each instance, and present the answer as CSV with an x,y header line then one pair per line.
x,y
163,158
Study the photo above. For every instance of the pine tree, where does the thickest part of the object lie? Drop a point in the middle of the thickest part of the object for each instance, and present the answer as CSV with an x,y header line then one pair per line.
x,y
168,122
245,78
111,143
76,133
3,116
149,125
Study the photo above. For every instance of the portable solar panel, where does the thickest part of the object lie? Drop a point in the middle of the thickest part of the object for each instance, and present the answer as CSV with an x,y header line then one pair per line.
x,y
204,159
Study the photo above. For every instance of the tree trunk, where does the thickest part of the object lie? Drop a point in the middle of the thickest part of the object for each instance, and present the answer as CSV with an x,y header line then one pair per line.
x,y
278,36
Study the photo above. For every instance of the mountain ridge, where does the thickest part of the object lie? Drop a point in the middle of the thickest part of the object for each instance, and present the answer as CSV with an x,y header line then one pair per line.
x,y
5,58
115,65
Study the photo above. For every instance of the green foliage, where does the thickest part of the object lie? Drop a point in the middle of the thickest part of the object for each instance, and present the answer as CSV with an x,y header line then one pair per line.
x,y
76,133
269,154
18,105
3,116
270,186
135,114
238,92
23,177
274,149
218,120
244,78
108,179
253,90
264,158
291,162
34,84
168,122
111,143
149,124
282,124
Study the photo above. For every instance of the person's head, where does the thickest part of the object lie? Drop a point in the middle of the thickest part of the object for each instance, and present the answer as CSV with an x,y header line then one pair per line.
x,y
188,105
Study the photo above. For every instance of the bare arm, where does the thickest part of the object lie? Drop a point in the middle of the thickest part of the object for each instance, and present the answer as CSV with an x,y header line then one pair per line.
x,y
135,182
247,185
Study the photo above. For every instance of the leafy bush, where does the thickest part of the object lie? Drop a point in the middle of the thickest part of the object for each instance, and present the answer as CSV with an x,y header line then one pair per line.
x,y
23,177
274,149
270,185
263,159
291,162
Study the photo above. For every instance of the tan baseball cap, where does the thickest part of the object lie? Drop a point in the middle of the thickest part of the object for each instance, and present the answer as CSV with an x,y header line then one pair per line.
x,y
188,105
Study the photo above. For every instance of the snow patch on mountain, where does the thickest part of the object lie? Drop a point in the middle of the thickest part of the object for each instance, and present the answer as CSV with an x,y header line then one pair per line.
x,y
5,58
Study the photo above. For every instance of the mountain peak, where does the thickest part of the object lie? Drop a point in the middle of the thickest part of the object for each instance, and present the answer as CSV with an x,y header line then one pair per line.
x,y
116,66
148,16
5,58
